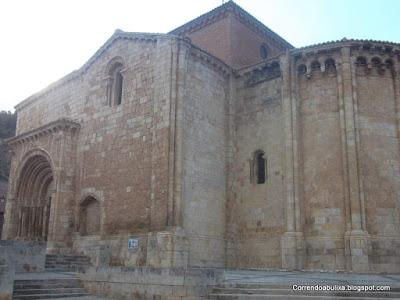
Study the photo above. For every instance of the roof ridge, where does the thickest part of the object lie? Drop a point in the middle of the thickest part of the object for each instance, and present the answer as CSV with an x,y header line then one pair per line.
x,y
239,12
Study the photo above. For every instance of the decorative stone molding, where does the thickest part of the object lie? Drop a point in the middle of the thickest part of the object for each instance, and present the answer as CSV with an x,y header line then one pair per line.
x,y
215,63
52,127
267,72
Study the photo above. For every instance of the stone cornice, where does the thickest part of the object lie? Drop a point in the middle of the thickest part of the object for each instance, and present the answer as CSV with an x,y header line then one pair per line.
x,y
210,60
391,47
55,126
257,66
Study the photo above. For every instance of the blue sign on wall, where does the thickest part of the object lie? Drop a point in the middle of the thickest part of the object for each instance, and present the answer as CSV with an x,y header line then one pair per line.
x,y
133,244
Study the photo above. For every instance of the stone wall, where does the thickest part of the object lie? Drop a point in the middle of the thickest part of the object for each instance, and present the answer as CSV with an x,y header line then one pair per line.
x,y
376,88
322,170
204,163
23,256
148,283
6,279
156,249
349,157
256,213
121,152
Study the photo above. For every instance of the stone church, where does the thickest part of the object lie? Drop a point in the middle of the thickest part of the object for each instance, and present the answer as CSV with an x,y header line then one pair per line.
x,y
216,145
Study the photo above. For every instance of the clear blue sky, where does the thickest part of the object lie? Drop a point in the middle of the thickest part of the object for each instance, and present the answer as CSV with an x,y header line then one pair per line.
x,y
43,40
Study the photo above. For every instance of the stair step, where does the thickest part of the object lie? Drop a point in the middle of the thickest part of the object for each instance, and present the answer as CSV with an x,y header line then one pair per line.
x,y
64,269
48,291
66,263
284,297
47,281
280,291
47,296
46,286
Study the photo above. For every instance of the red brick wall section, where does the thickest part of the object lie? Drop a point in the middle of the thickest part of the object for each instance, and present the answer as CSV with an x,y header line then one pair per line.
x,y
232,41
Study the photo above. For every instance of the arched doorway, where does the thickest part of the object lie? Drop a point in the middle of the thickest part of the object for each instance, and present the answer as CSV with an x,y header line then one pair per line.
x,y
34,192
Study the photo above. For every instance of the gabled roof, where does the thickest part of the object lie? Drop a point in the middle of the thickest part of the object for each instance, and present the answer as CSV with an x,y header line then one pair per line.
x,y
217,13
118,34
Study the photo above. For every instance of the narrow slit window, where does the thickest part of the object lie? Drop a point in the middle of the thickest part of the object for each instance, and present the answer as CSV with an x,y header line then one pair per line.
x,y
115,84
118,88
259,167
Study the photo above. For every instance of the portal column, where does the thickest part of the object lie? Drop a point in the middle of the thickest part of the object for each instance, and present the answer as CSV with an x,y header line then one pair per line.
x,y
61,223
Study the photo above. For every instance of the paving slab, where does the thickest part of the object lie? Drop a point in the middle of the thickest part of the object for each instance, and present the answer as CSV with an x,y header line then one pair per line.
x,y
300,277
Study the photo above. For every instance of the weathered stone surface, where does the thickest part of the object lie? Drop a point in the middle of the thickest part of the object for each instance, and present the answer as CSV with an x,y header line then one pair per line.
x,y
6,280
23,256
287,162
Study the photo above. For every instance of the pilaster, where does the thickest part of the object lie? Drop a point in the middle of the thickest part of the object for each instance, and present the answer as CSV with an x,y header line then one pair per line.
x,y
356,237
292,242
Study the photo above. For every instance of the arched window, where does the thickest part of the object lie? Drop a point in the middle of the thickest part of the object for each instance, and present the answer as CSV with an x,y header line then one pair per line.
x,y
389,63
376,61
378,65
361,61
115,83
89,216
264,51
315,66
301,70
258,169
330,65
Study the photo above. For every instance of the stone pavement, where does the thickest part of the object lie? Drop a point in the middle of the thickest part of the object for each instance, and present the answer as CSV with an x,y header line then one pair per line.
x,y
299,277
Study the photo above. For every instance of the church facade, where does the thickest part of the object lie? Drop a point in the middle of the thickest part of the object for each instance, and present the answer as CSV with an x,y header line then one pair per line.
x,y
216,145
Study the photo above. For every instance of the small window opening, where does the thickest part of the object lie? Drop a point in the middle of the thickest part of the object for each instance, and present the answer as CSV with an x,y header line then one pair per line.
x,y
115,84
361,61
118,88
264,52
315,66
330,65
301,70
258,168
376,61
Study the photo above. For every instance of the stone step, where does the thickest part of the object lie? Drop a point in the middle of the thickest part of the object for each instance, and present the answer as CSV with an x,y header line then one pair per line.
x,y
65,268
68,262
44,285
48,282
84,259
61,256
65,255
281,291
49,296
48,285
48,291
287,297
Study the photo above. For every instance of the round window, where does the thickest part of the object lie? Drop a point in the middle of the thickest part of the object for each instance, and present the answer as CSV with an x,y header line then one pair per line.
x,y
263,51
